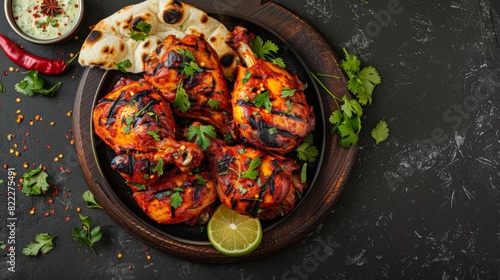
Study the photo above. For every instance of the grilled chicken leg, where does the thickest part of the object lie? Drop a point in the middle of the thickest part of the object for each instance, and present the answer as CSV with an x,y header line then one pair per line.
x,y
191,65
138,125
269,104
253,182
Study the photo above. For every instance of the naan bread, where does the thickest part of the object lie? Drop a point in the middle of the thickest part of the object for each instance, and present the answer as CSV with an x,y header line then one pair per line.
x,y
109,41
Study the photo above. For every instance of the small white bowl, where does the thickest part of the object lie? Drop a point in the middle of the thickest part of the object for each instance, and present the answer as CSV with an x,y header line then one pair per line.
x,y
69,33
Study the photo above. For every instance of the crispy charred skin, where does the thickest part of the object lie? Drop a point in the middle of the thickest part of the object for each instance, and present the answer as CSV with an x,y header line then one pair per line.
x,y
197,198
138,125
207,90
271,194
280,127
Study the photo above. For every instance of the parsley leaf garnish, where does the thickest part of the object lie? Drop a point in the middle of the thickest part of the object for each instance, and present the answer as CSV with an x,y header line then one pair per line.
x,y
262,100
251,172
35,182
154,134
123,65
247,76
380,132
89,199
287,92
32,84
2,88
43,245
144,30
181,101
214,104
85,234
202,134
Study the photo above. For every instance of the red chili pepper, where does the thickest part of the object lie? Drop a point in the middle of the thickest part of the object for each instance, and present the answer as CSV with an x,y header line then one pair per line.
x,y
29,61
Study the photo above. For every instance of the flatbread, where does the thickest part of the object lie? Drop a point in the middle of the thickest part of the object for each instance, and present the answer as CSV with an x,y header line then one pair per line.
x,y
109,42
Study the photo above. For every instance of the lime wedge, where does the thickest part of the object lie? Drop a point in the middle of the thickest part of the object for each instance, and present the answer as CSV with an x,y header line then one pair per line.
x,y
233,234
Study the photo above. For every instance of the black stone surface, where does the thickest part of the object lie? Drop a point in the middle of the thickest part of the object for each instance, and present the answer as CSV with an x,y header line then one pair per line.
x,y
425,204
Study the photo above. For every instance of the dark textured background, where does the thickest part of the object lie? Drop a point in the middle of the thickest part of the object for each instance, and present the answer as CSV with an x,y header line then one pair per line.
x,y
425,204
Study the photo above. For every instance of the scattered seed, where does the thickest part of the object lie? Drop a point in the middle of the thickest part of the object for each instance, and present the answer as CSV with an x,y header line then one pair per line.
x,y
18,100
11,69
148,257
32,211
78,209
120,256
25,165
67,219
56,159
60,156
17,153
52,123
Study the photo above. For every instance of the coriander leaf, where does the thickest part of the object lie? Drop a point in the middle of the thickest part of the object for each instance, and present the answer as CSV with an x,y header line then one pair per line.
x,y
262,100
251,172
43,245
351,63
89,199
307,152
278,61
201,132
35,182
123,65
380,132
85,235
261,49
348,136
287,92
351,107
140,187
158,169
181,101
32,84
176,199
214,104
201,181
335,118
140,32
2,245
189,68
186,53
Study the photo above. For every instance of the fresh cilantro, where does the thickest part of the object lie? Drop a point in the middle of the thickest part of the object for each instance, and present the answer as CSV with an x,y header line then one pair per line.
x,y
251,172
35,182
128,122
380,132
242,189
201,181
247,76
32,84
181,101
202,134
123,65
307,152
85,234
262,100
189,68
89,199
289,105
287,92
361,82
2,245
267,50
176,198
43,245
186,53
2,88
140,187
154,134
158,169
214,104
140,32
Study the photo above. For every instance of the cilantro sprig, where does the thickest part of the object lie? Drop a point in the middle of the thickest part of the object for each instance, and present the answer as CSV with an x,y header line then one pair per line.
x,y
380,132
85,234
90,201
181,101
33,84
123,65
262,100
140,32
252,172
201,135
266,50
43,245
35,182
361,82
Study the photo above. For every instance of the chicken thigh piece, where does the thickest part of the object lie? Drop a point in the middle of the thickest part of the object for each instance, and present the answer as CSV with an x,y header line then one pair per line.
x,y
253,182
189,74
269,103
178,197
138,125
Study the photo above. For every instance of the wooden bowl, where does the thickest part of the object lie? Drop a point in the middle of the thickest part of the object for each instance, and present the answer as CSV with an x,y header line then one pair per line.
x,y
305,51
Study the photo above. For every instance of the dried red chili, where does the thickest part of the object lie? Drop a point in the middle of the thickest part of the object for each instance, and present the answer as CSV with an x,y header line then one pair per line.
x,y
32,62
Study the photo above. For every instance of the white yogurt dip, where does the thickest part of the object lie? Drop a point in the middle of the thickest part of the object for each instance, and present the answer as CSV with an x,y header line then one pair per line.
x,y
33,22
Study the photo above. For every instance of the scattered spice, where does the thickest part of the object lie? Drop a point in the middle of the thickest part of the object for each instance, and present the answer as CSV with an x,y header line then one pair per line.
x,y
120,256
